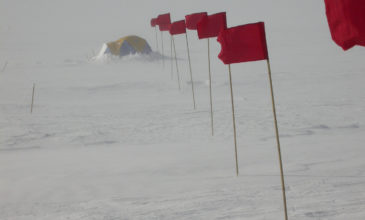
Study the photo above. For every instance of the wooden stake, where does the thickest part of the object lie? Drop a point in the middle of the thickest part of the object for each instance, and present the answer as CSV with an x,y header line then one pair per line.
x,y
234,120
191,73
156,39
177,68
163,57
4,67
210,91
277,140
31,106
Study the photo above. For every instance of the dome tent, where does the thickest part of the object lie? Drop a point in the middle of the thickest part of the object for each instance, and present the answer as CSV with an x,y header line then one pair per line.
x,y
126,45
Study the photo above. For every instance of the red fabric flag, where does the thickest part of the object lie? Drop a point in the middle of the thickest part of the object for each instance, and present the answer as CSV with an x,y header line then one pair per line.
x,y
346,19
177,27
164,22
153,22
243,43
193,19
209,26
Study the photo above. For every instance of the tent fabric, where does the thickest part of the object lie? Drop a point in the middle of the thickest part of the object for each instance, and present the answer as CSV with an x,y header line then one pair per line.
x,y
128,45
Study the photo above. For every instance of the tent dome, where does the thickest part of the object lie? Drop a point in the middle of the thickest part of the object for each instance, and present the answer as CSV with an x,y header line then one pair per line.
x,y
127,45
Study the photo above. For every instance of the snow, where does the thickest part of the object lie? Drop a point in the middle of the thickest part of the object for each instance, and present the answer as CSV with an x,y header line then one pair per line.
x,y
114,138
101,53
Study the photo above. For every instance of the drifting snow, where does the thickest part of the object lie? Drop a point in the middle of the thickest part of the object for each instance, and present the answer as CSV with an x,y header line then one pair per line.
x,y
137,57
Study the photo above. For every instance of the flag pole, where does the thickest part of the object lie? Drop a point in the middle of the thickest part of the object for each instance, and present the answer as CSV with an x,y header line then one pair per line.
x,y
210,90
177,68
234,120
156,38
31,106
191,73
163,57
277,140
171,59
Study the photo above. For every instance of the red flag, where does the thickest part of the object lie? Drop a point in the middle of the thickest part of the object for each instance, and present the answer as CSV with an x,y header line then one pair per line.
x,y
177,27
164,22
193,19
153,22
243,43
346,19
209,26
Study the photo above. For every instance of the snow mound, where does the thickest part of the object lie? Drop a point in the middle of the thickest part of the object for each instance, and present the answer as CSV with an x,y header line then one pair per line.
x,y
105,57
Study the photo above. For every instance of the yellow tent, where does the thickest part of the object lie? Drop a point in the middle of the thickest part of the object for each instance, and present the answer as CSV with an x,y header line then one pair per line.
x,y
127,45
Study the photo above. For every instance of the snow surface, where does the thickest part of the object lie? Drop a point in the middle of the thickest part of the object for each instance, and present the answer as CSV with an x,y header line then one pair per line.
x,y
116,139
